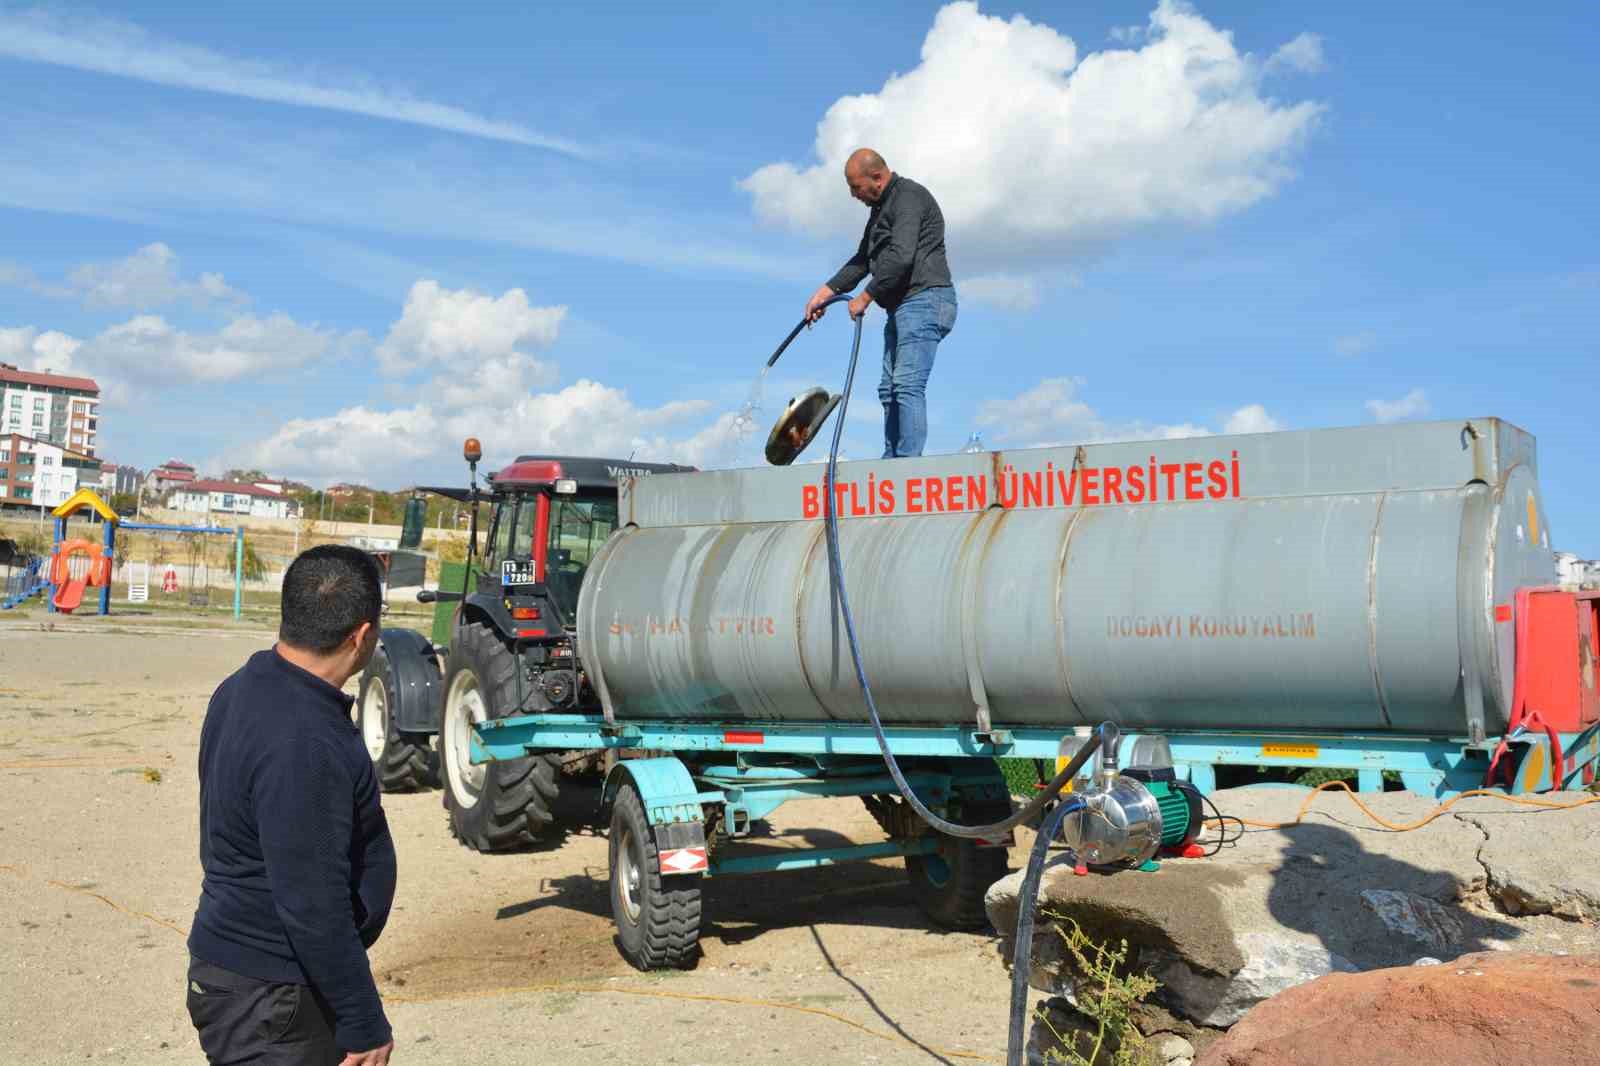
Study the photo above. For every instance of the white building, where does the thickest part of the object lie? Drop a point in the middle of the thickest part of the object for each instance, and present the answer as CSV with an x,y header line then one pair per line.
x,y
230,498
57,408
36,473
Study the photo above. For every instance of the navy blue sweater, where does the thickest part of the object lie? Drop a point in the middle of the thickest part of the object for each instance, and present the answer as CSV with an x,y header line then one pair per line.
x,y
299,865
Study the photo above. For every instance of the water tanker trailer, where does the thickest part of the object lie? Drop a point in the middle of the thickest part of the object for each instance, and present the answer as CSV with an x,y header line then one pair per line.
x,y
1382,598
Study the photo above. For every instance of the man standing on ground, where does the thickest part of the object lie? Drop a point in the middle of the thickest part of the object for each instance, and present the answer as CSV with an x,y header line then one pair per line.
x,y
903,249
299,866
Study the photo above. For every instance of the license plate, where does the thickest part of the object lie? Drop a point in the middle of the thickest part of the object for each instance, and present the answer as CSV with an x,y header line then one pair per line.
x,y
516,572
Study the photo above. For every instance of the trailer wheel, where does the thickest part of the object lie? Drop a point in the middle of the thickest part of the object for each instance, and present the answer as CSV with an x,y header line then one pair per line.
x,y
403,762
658,918
500,805
950,884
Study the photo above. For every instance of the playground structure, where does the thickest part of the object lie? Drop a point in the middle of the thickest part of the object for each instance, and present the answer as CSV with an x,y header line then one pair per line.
x,y
77,564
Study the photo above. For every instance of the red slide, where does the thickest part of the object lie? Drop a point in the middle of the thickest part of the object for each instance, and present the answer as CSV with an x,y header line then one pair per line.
x,y
69,595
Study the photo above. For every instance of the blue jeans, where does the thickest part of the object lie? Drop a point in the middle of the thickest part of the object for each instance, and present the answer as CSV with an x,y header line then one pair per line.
x,y
910,338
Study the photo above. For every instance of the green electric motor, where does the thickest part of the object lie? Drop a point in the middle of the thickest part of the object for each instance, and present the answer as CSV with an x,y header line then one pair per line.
x,y
1181,818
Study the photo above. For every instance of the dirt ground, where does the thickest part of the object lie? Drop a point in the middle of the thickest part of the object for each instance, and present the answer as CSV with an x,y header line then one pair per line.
x,y
486,960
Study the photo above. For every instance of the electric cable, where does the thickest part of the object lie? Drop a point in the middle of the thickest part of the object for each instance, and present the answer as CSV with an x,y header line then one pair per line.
x,y
1406,827
1223,839
1104,736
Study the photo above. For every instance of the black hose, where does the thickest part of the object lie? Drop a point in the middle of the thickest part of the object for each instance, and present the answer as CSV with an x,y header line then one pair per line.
x,y
1022,950
1105,734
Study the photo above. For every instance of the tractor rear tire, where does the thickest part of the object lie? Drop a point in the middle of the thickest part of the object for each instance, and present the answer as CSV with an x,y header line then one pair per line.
x,y
500,805
403,762
950,885
658,918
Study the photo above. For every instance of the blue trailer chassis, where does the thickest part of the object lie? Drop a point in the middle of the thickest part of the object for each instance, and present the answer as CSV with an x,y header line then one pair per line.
x,y
736,774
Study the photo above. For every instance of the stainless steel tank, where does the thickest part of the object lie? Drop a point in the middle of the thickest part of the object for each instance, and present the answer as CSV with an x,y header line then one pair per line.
x,y
1357,580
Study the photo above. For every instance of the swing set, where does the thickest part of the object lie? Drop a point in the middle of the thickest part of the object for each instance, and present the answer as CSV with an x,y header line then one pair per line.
x,y
78,564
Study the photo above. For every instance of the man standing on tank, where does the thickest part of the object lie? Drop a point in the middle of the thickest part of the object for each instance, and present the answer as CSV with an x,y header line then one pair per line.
x,y
299,865
902,248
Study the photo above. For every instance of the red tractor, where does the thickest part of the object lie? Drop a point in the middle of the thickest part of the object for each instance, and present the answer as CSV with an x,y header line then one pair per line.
x,y
509,649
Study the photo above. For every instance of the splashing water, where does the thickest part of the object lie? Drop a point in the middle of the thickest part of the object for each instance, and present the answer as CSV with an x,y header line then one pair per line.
x,y
747,421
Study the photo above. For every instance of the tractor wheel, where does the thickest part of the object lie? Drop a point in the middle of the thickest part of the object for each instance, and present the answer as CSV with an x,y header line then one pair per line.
x,y
404,762
658,918
500,805
950,884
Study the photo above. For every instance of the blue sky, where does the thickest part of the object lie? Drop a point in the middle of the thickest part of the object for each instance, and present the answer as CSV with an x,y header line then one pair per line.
x,y
331,241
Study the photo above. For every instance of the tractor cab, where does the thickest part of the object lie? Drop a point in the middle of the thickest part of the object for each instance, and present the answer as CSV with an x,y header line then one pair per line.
x,y
547,517
551,515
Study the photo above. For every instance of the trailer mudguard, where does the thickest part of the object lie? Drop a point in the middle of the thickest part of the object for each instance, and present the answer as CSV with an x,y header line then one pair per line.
x,y
668,792
418,688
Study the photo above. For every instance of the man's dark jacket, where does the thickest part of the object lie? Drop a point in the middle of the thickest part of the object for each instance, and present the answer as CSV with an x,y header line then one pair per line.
x,y
902,247
299,865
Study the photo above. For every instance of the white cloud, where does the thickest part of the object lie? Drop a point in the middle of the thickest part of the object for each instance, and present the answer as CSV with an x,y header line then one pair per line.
x,y
122,49
1008,292
390,446
485,386
28,349
1037,156
453,327
1355,344
1052,412
1413,404
1252,418
1303,55
147,279
148,348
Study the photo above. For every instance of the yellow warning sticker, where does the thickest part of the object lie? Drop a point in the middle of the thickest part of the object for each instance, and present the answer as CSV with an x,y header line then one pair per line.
x,y
1289,751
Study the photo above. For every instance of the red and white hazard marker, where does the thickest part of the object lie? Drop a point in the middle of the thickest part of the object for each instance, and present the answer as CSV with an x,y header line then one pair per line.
x,y
683,860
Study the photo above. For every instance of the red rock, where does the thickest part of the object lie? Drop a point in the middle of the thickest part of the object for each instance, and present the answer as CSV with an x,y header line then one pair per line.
x,y
1487,1009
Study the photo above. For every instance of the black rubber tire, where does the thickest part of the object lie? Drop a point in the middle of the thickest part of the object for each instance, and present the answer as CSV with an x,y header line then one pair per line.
x,y
404,762
950,886
664,934
510,807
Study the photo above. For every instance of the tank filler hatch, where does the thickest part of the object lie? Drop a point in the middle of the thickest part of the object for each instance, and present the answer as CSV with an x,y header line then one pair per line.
x,y
799,424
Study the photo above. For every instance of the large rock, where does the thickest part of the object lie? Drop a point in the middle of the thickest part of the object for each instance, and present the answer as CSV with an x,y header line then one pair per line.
x,y
1484,1009
1416,918
1272,964
1334,893
1528,855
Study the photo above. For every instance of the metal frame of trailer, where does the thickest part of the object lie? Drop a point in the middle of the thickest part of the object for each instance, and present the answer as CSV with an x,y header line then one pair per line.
x,y
743,773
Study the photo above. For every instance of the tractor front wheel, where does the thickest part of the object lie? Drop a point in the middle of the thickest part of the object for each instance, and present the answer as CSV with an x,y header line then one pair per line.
x,y
500,805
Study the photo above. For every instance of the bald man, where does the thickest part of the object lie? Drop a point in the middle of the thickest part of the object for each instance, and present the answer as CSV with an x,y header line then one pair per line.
x,y
902,248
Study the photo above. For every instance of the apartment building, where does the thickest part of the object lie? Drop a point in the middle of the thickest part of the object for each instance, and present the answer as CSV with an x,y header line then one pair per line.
x,y
54,408
38,473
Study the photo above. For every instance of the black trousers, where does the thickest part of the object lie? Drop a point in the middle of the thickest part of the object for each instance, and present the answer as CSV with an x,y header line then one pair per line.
x,y
242,1020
